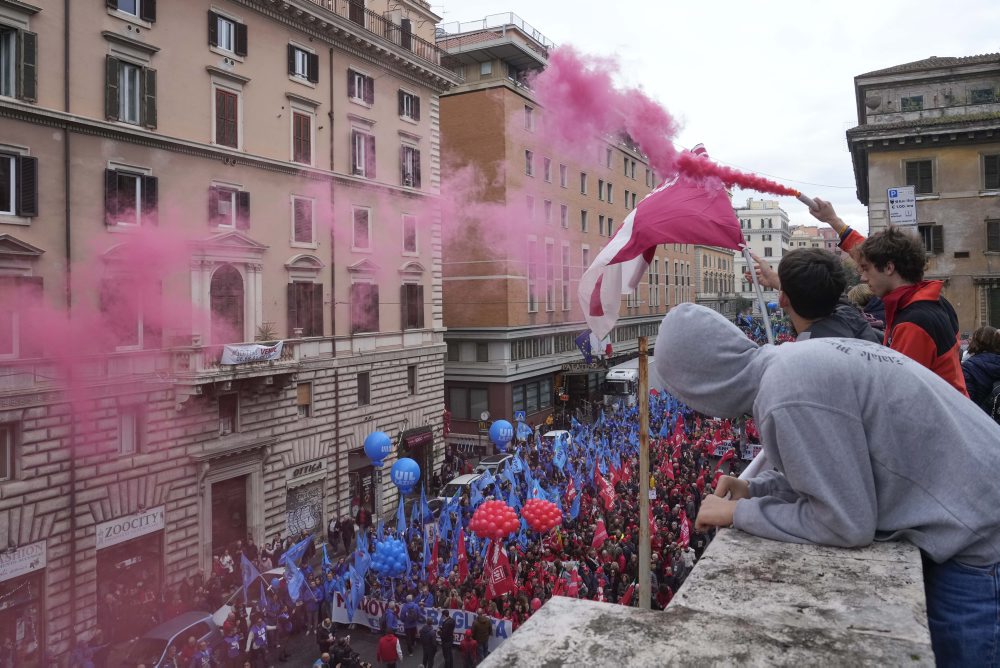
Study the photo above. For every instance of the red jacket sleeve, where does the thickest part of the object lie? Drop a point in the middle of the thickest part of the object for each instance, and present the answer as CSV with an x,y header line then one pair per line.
x,y
914,342
850,239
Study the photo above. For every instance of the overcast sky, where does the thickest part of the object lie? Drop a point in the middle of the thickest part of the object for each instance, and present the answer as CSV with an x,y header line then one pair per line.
x,y
766,85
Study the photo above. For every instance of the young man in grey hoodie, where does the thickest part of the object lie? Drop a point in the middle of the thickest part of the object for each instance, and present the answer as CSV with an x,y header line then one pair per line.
x,y
850,466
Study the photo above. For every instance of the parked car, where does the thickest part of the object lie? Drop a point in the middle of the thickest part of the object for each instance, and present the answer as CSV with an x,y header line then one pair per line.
x,y
495,464
150,649
462,482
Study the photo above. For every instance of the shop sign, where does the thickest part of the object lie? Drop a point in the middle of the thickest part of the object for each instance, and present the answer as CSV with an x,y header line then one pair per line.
x,y
25,559
306,470
126,528
416,438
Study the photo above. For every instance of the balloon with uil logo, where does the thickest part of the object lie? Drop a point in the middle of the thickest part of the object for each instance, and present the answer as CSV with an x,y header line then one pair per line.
x,y
501,433
378,446
404,474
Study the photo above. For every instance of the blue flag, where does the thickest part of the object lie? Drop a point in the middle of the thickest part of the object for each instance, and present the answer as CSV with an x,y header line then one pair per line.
x,y
445,524
327,566
401,519
295,552
380,530
486,480
427,516
574,510
249,573
475,496
559,459
516,465
512,499
536,491
583,343
296,580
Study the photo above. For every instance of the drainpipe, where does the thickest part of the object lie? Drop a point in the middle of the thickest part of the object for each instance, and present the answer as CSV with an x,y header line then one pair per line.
x,y
333,318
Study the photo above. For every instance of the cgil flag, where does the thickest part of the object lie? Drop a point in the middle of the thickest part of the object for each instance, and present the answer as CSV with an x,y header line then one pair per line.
x,y
679,211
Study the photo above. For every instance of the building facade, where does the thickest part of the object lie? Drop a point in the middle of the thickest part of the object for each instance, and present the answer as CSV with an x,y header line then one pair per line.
x,y
714,279
765,227
511,306
932,124
180,178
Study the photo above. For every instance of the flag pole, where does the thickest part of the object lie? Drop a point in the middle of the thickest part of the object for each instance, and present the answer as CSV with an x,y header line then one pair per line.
x,y
760,294
644,542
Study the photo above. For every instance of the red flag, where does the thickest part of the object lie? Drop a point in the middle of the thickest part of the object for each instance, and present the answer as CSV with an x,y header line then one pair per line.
x,y
725,458
715,479
700,482
463,558
607,491
501,579
600,535
627,596
652,523
432,568
679,211
570,492
685,538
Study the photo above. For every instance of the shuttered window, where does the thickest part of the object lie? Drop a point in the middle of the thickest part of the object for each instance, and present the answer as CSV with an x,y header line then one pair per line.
x,y
302,138
991,172
18,185
411,298
305,309
409,105
302,220
228,207
362,229
226,118
409,160
129,93
129,198
919,174
362,154
303,399
993,236
932,237
302,64
364,308
360,87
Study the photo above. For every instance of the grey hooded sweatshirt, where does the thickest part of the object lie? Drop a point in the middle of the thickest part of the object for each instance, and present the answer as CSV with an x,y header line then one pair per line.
x,y
866,444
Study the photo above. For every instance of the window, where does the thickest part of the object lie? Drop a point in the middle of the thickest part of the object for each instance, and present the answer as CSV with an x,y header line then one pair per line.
x,y
633,200
585,257
932,237
409,233
467,403
19,296
911,103
919,175
982,96
302,138
454,351
547,210
532,276
364,388
767,251
409,105
564,216
304,66
362,154
7,451
626,200
550,279
565,278
529,163
547,169
129,198
991,172
18,63
482,352
611,194
410,166
227,34
563,176
360,87
411,300
130,93
305,309
600,226
364,308
18,185
411,379
141,9
607,157
362,239
303,231
129,306
611,227
229,409
226,118
303,399
532,397
583,221
583,183
486,68
600,189
130,430
529,118
228,207
529,205
993,236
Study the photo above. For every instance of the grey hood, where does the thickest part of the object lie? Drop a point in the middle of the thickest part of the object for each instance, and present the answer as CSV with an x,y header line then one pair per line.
x,y
707,362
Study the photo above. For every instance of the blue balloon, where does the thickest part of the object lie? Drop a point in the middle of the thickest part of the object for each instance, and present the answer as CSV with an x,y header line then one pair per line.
x,y
390,558
501,433
404,474
378,446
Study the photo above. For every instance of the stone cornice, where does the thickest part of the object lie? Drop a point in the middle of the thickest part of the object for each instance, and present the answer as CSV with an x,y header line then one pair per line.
x,y
129,42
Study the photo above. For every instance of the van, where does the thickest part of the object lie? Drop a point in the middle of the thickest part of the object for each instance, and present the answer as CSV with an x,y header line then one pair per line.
x,y
150,649
462,483
495,464
549,437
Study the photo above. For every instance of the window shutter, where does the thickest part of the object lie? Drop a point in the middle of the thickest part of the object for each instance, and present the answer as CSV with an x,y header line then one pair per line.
x,y
150,198
355,304
937,236
293,308
993,235
110,196
355,166
213,29
416,108
373,308
27,186
27,65
111,68
351,88
404,312
416,168
30,299
243,210
147,10
313,69
149,97
369,90
291,59
316,307
399,99
370,156
402,165
241,39
418,305
406,34
991,166
213,206
152,316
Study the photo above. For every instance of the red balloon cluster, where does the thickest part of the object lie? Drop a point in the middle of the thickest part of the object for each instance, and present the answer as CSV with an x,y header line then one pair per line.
x,y
494,519
541,515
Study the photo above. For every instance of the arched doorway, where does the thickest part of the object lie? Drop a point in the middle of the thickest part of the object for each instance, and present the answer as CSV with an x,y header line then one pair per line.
x,y
227,305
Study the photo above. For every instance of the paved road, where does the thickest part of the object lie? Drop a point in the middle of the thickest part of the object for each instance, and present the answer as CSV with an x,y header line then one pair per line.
x,y
364,642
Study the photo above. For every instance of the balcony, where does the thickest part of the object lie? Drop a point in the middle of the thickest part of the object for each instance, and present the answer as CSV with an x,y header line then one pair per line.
x,y
505,37
749,602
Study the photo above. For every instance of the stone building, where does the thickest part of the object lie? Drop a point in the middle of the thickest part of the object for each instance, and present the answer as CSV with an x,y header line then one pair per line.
x,y
238,141
765,227
511,309
714,279
933,124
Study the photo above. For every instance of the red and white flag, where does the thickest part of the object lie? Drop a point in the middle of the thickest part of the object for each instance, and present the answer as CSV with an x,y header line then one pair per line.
x,y
463,558
627,596
725,458
685,538
600,535
679,211
605,489
570,491
500,578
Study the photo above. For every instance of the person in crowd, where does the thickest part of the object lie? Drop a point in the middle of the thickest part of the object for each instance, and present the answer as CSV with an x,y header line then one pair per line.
x,y
982,368
446,633
482,629
389,651
871,307
469,649
325,635
429,644
919,322
257,642
848,471
411,616
323,661
232,641
347,533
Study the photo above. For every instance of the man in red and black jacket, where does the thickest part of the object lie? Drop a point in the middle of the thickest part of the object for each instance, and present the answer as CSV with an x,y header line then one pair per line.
x,y
919,322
